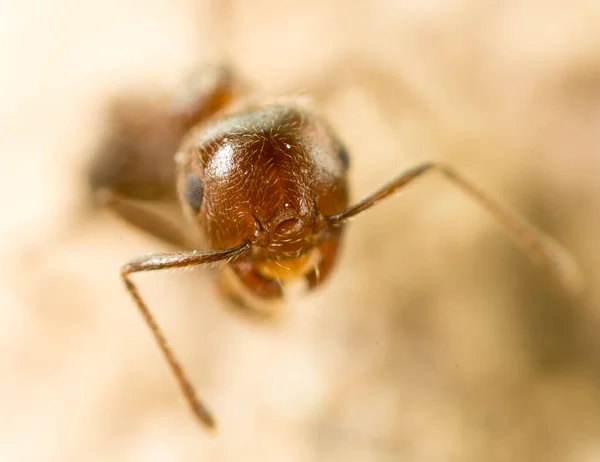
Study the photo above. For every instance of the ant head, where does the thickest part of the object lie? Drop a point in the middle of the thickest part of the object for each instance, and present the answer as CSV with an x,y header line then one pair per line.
x,y
268,175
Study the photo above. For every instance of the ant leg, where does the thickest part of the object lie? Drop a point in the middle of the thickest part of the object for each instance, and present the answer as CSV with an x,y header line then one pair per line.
x,y
177,260
540,248
142,217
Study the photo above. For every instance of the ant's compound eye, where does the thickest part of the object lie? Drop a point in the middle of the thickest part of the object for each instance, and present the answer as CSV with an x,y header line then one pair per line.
x,y
193,191
344,157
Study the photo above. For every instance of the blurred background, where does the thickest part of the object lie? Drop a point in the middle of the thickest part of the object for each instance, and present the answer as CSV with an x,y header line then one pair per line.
x,y
436,340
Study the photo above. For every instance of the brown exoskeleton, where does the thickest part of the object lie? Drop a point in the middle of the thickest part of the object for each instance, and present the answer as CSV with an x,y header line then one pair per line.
x,y
265,185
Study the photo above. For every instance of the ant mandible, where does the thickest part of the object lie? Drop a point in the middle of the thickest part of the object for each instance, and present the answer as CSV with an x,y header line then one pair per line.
x,y
265,186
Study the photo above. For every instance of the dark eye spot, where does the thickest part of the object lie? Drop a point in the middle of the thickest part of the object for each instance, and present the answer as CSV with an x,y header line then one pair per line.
x,y
344,157
193,191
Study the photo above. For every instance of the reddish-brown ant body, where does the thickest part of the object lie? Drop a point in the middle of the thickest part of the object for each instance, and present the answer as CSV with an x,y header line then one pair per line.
x,y
264,184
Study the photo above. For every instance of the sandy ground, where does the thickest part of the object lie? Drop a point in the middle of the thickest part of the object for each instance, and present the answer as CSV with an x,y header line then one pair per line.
x,y
435,341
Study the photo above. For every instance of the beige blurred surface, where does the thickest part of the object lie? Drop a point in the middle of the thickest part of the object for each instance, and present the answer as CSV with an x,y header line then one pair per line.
x,y
435,341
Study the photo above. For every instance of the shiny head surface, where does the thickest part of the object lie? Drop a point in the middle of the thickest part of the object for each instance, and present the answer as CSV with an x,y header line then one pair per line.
x,y
268,175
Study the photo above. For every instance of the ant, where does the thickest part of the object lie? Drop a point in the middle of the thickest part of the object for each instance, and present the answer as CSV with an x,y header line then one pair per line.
x,y
264,186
